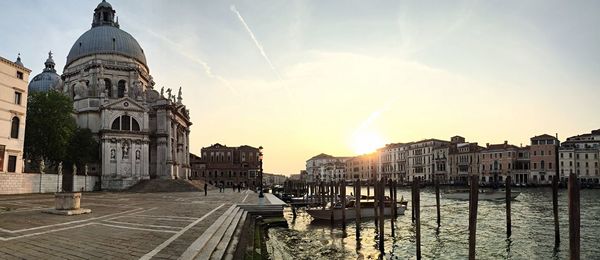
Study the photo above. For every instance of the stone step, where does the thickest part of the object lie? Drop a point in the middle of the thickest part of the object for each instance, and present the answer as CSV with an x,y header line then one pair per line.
x,y
230,253
196,247
227,237
212,243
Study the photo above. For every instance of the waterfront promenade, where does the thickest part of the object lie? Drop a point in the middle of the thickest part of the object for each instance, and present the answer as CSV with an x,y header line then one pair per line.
x,y
121,225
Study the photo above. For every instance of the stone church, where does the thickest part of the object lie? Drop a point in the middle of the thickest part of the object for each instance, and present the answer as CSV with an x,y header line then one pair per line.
x,y
143,133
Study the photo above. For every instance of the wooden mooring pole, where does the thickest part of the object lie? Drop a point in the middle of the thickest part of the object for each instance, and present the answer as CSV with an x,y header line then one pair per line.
x,y
555,211
375,205
393,207
417,213
343,194
381,215
508,220
412,200
357,195
322,198
574,218
437,200
473,200
332,198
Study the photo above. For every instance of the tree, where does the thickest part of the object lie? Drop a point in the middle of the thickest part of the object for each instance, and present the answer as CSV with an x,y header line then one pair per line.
x,y
85,145
49,127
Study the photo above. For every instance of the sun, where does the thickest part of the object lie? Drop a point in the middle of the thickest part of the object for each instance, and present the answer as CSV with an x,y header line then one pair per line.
x,y
366,142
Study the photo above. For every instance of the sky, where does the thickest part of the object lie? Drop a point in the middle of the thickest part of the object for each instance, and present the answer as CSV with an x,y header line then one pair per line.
x,y
342,77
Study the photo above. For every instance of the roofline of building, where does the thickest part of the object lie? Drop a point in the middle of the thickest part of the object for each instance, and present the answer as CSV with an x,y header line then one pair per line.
x,y
14,64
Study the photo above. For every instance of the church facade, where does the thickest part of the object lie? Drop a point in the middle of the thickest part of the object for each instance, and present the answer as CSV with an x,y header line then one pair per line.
x,y
143,133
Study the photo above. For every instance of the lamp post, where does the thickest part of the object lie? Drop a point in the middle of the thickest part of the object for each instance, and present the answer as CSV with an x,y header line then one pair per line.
x,y
260,173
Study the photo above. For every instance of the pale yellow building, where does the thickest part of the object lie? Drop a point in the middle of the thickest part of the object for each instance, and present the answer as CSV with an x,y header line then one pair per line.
x,y
14,78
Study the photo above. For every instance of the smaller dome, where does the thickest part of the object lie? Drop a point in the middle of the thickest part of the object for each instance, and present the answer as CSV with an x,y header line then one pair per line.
x,y
46,80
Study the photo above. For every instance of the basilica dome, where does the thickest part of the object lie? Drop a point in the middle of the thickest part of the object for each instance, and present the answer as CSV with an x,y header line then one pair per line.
x,y
105,37
46,80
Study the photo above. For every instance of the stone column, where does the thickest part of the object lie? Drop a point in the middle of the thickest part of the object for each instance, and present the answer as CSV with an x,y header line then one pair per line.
x,y
119,157
105,171
144,160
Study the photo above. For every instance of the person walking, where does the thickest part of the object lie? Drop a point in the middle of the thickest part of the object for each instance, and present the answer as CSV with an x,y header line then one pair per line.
x,y
205,189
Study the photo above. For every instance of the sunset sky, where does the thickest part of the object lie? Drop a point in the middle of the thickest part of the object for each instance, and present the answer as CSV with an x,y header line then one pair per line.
x,y
338,77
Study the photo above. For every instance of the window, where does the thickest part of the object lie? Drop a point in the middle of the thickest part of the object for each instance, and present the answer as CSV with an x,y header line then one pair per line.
x,y
542,165
108,88
549,165
17,98
14,130
121,88
542,153
12,163
19,75
125,123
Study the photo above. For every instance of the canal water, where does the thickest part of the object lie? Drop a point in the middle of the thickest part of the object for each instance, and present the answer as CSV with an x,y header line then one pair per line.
x,y
532,231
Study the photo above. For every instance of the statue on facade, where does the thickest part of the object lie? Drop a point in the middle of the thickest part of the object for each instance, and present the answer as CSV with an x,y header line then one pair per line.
x,y
80,89
74,169
59,171
162,91
101,70
125,150
112,154
101,87
137,89
137,154
42,166
169,93
179,98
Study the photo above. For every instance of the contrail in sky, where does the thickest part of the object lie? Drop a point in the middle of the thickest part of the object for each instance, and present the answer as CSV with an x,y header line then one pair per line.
x,y
204,64
258,45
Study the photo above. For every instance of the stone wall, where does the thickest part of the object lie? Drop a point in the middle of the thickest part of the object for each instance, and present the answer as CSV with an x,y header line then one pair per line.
x,y
18,183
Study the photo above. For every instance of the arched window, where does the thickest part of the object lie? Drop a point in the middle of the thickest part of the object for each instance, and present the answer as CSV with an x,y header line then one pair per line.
x,y
14,130
125,123
121,88
116,125
134,125
108,87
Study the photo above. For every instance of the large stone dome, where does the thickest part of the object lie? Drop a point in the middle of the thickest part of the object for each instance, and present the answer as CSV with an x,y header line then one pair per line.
x,y
105,37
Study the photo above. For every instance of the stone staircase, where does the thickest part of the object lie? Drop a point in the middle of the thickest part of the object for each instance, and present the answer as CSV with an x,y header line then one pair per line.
x,y
231,234
157,185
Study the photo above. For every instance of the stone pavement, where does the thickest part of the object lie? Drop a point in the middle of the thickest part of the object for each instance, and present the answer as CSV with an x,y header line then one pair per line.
x,y
121,225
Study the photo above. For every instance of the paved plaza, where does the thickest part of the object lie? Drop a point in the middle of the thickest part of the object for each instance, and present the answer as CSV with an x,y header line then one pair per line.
x,y
121,225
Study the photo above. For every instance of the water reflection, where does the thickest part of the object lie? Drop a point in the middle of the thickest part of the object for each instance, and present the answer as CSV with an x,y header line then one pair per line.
x,y
532,231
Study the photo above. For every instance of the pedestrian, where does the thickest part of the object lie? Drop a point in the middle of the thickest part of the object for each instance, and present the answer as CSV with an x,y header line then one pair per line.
x,y
239,187
205,189
233,187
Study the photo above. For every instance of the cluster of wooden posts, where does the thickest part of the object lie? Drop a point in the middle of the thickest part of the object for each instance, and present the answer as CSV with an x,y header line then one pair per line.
x,y
322,193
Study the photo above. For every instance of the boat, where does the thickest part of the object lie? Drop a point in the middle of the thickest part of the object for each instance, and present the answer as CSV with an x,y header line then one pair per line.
x,y
366,210
483,195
